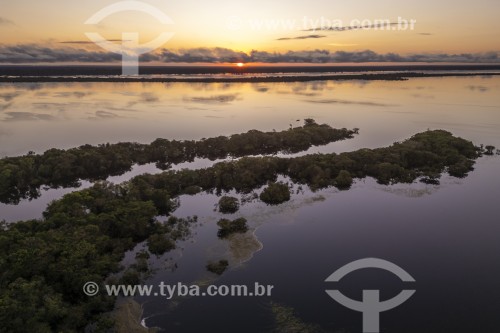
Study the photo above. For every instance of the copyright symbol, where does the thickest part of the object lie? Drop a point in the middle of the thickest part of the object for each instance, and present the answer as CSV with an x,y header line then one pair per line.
x,y
91,289
234,23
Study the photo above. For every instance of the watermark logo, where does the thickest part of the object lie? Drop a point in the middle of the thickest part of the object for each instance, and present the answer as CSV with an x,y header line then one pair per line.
x,y
130,49
319,24
91,289
180,289
371,306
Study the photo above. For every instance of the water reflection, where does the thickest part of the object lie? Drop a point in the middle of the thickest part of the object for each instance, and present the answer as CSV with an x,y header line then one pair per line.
x,y
40,116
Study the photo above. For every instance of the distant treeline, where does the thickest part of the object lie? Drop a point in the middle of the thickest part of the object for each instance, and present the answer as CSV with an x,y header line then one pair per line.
x,y
21,177
83,237
380,76
66,70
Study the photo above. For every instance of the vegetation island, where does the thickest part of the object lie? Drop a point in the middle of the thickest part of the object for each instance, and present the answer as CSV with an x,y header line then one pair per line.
x,y
22,177
85,235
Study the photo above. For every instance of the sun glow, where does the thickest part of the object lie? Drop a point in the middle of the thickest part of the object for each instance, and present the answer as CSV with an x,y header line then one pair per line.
x,y
240,64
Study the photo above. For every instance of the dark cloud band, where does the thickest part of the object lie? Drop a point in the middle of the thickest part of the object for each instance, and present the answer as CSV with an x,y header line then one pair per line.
x,y
302,37
30,54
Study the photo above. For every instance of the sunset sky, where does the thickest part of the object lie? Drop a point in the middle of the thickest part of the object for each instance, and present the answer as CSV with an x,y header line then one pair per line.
x,y
46,31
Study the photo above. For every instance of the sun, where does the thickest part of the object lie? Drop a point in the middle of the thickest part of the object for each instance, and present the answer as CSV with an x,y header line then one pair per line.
x,y
240,64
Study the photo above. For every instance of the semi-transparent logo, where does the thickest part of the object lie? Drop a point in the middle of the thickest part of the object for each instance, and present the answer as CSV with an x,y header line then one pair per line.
x,y
130,48
371,306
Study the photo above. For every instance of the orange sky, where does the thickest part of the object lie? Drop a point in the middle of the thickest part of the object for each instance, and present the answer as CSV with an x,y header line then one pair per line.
x,y
443,26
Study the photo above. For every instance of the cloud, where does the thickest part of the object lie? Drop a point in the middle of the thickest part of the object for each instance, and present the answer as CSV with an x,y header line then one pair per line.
x,y
346,102
315,56
302,37
426,34
5,22
214,55
325,56
32,53
217,99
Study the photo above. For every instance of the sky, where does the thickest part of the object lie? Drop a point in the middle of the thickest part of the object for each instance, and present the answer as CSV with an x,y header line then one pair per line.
x,y
318,31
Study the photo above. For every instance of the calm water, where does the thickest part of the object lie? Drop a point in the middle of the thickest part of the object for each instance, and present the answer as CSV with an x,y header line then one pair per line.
x,y
46,115
446,236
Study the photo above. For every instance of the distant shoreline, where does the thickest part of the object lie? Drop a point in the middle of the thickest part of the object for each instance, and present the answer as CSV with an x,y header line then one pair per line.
x,y
399,76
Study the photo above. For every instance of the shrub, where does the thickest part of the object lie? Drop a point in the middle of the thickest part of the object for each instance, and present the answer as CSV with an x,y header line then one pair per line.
x,y
489,150
344,180
218,267
275,194
227,227
159,244
229,205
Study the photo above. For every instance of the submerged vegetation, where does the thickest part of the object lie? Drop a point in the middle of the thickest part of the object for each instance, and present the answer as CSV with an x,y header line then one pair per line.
x,y
228,227
287,321
84,236
218,267
21,177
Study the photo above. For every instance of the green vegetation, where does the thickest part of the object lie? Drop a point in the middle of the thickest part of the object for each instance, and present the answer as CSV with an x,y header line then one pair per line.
x,y
141,262
425,155
21,177
84,235
344,180
287,321
229,205
228,227
275,194
130,277
390,76
489,150
159,244
218,267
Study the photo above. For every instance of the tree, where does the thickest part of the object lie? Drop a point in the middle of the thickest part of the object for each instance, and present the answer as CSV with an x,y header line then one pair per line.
x,y
275,194
159,244
344,180
229,205
218,267
227,227
489,150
